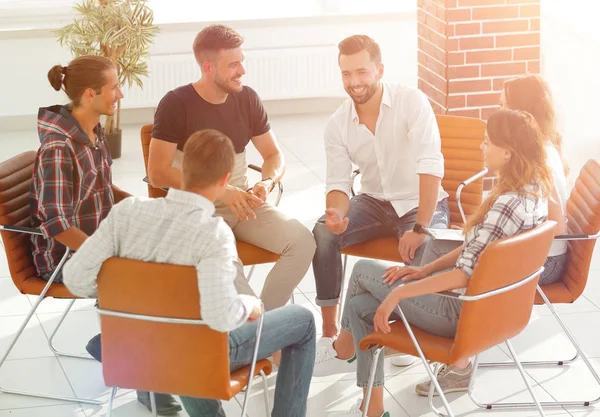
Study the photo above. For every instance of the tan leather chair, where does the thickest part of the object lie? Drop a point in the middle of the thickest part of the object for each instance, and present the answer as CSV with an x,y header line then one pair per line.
x,y
497,306
463,181
249,254
15,229
153,337
583,214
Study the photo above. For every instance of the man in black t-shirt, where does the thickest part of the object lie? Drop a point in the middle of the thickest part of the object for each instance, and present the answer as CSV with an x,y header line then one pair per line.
x,y
220,101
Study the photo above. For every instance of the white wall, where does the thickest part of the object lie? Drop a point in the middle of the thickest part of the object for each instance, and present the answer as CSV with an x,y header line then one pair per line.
x,y
31,53
570,61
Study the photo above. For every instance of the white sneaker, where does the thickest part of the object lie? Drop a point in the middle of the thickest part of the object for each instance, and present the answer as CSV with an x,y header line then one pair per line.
x,y
353,412
327,362
403,360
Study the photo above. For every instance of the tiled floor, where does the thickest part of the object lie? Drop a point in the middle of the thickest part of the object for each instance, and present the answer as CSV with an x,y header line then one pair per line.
x,y
31,365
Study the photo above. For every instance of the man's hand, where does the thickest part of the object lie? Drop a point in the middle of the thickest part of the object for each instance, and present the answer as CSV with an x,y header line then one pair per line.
x,y
261,190
240,202
407,273
334,221
408,245
256,311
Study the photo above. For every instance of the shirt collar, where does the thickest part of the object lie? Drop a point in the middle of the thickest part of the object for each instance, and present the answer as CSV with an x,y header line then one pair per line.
x,y
386,100
193,199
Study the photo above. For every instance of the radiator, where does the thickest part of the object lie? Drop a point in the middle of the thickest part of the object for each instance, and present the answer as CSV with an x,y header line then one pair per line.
x,y
276,74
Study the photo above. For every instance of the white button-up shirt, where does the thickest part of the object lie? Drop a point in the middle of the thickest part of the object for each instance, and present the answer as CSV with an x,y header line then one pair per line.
x,y
180,229
406,143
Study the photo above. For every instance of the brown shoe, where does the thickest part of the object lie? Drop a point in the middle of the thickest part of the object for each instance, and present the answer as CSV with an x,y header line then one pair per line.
x,y
450,378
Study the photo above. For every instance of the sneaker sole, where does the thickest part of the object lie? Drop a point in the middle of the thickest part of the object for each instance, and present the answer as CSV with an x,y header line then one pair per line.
x,y
404,364
435,394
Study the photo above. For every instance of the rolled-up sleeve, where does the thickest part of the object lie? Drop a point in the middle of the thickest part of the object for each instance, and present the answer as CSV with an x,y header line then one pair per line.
x,y
424,134
339,164
505,218
222,308
54,181
81,271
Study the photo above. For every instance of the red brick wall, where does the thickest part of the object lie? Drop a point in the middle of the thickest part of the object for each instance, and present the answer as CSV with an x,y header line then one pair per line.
x,y
467,48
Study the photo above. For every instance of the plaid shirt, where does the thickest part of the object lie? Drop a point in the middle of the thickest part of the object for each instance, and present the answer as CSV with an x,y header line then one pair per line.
x,y
511,213
71,184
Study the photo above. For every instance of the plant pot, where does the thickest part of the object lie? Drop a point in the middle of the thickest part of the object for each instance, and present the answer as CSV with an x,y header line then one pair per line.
x,y
114,143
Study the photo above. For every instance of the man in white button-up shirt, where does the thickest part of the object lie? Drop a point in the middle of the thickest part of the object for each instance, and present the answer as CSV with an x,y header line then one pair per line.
x,y
182,229
390,133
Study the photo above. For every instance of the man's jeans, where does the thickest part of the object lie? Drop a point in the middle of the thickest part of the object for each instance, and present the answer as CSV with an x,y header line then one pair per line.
x,y
369,219
290,329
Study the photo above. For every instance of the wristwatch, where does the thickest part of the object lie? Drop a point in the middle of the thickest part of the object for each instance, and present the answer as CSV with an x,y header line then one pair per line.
x,y
418,228
272,182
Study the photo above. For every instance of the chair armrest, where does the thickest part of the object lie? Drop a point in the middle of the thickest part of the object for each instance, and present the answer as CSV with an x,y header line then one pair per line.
x,y
577,237
21,229
462,185
147,181
279,184
491,293
355,174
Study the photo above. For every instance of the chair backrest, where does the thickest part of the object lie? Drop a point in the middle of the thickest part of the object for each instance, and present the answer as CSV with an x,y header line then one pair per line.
x,y
146,136
489,321
461,138
182,359
15,182
583,213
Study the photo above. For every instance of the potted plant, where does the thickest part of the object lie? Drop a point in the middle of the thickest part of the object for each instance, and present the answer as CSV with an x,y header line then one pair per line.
x,y
121,30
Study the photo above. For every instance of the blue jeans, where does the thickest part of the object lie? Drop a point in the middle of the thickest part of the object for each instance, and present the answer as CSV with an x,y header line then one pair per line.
x,y
369,219
290,329
431,312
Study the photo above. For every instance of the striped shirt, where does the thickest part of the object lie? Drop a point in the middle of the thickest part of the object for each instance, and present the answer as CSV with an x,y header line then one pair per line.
x,y
180,229
71,184
511,213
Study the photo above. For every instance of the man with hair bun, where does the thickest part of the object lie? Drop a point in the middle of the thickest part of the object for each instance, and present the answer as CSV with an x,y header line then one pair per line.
x,y
71,189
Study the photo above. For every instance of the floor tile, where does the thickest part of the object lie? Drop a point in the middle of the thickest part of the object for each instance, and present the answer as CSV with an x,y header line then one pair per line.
x,y
75,332
12,302
74,410
31,344
572,382
42,375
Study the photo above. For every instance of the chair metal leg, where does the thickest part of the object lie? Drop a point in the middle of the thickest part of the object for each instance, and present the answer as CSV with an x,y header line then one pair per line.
x,y
371,380
266,392
110,401
253,364
250,272
524,376
342,295
51,338
432,376
20,331
579,354
153,404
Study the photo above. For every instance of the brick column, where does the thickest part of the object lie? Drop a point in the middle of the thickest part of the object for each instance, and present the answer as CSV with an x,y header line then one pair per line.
x,y
467,48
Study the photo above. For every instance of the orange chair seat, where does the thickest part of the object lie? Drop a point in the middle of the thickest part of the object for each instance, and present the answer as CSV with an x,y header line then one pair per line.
x,y
35,285
557,292
435,348
253,255
385,248
239,378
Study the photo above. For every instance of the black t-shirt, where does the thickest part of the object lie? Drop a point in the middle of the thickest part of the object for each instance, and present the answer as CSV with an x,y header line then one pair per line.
x,y
182,112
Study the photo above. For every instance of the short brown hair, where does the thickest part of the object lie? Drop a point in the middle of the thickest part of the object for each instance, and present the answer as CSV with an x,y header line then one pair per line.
x,y
214,38
357,43
87,71
207,156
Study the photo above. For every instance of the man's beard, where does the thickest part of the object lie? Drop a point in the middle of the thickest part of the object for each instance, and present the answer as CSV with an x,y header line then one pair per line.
x,y
365,96
225,86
